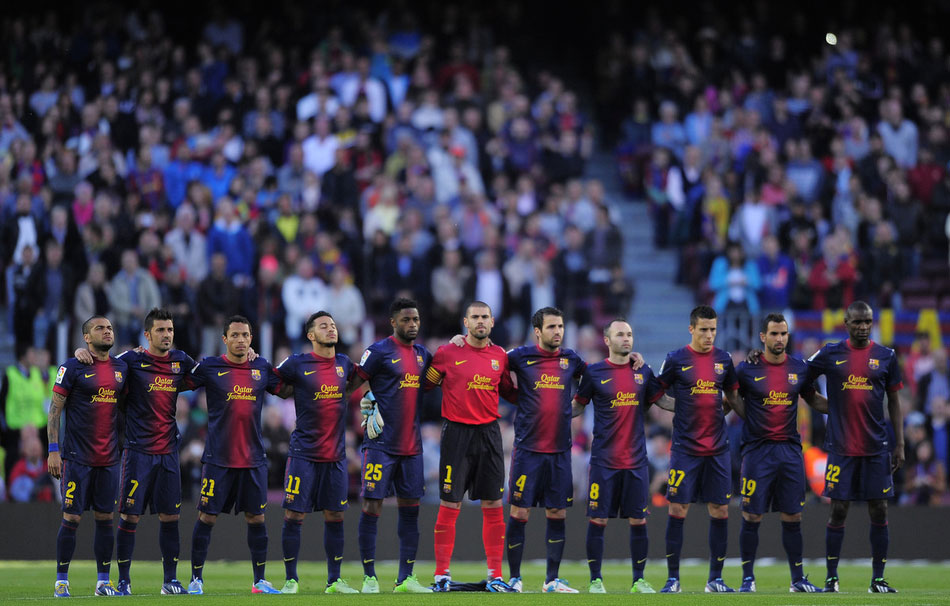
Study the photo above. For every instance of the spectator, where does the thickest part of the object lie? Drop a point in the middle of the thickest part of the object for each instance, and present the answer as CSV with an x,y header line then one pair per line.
x,y
217,300
735,281
303,292
24,281
668,132
92,296
898,134
345,304
276,445
448,292
935,384
778,276
56,289
132,292
29,482
229,236
188,245
23,393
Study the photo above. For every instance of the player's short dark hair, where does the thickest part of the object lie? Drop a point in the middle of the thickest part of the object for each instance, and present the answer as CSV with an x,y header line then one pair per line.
x,y
856,307
314,317
235,319
400,304
156,314
611,323
477,304
87,325
537,320
701,312
773,317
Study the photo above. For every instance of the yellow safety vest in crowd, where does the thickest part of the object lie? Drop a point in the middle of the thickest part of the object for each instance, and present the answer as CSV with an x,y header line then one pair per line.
x,y
25,396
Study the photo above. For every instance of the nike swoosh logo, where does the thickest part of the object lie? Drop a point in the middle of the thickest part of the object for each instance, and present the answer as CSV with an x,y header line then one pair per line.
x,y
410,561
641,561
395,360
122,561
883,560
337,558
510,546
589,561
264,505
604,381
460,362
757,379
106,563
221,374
144,365
729,496
307,373
888,489
685,368
368,561
63,563
832,557
90,376
839,362
802,503
174,559
530,362
555,540
177,505
262,563
289,559
720,559
344,502
798,563
744,562
569,499
670,555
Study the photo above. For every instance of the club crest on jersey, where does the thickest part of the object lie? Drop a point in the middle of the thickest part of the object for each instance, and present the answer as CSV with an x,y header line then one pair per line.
x,y
792,378
495,365
118,376
563,363
176,367
339,371
255,374
419,361
719,367
638,378
874,364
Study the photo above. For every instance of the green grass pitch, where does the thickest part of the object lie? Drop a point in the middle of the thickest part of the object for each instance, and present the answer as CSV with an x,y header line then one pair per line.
x,y
226,582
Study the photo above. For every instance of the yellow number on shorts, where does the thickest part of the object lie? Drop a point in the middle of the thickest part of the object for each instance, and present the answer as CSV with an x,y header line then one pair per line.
x,y
594,491
293,488
70,489
135,485
520,482
448,474
833,471
748,487
676,477
207,487
374,471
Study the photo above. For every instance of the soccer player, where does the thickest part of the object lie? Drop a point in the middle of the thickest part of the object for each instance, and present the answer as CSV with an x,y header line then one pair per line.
x,y
619,476
541,459
471,459
88,464
316,478
234,472
700,470
392,460
859,374
773,470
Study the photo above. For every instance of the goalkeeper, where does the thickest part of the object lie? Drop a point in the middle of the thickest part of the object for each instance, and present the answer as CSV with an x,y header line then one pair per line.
x,y
392,444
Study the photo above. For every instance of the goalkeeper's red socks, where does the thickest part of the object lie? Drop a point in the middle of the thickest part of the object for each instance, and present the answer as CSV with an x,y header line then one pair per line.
x,y
493,537
444,538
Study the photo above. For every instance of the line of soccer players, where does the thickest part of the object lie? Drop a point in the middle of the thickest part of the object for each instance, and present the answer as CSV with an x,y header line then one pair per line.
x,y
548,383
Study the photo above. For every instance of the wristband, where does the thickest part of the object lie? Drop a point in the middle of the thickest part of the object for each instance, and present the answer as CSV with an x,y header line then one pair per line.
x,y
53,447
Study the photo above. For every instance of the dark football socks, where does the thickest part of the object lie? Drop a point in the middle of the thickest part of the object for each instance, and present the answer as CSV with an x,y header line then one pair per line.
x,y
366,537
290,544
554,534
407,528
674,544
595,548
748,545
333,545
515,538
124,546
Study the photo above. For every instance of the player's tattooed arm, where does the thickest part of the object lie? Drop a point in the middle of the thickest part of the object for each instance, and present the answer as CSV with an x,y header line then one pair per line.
x,y
55,462
732,400
816,401
666,403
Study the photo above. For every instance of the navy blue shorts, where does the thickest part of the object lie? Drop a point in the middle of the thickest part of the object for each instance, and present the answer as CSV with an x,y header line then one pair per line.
x,y
858,478
233,489
706,479
154,480
613,492
83,487
773,478
311,486
541,479
384,475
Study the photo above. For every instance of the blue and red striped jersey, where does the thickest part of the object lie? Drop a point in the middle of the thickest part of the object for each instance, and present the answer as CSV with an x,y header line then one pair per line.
x,y
235,394
696,382
621,397
857,381
771,394
320,400
395,373
545,389
92,395
153,387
